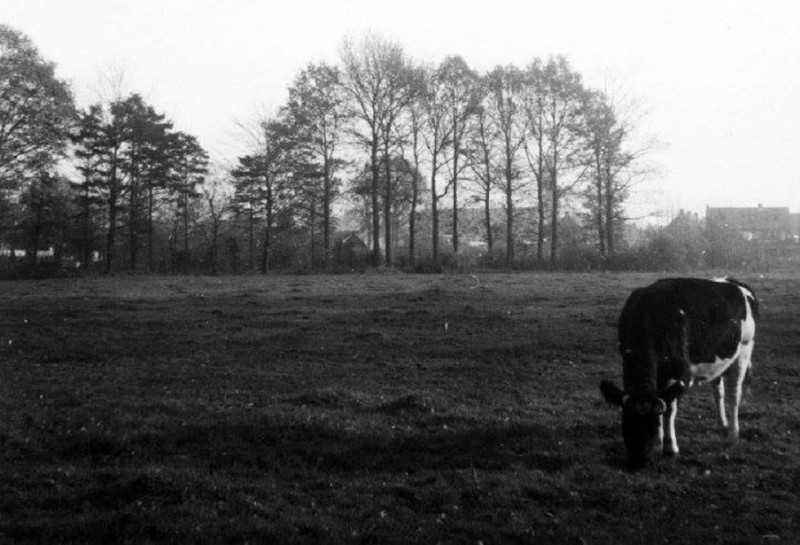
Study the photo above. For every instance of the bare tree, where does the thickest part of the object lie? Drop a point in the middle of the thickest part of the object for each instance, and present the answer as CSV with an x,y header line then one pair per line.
x,y
505,87
485,163
563,107
437,135
461,96
375,80
615,161
401,93
536,146
217,194
411,144
316,112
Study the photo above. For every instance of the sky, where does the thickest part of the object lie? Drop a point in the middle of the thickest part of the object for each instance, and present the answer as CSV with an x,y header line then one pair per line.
x,y
716,83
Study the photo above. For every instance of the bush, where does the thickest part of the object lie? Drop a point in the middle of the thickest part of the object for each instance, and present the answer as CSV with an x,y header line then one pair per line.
x,y
665,254
23,270
496,259
577,258
625,260
426,265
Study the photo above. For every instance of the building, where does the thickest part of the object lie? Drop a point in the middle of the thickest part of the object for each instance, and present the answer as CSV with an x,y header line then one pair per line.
x,y
351,251
760,224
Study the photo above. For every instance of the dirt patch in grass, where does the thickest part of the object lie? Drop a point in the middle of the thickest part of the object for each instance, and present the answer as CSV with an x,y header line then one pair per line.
x,y
372,408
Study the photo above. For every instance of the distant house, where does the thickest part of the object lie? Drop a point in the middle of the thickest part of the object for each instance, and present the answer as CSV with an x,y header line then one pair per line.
x,y
351,251
9,252
762,224
472,228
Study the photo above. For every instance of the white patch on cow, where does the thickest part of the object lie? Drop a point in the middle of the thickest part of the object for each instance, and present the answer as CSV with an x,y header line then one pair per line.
x,y
746,292
671,445
709,371
749,323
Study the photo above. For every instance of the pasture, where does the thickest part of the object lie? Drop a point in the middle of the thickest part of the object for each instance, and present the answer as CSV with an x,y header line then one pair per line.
x,y
375,408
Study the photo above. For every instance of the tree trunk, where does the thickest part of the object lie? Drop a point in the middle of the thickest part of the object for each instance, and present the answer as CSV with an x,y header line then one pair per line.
x,y
540,181
313,240
434,217
509,175
509,228
376,224
487,213
387,207
112,213
33,257
150,208
609,205
600,205
554,217
112,231
326,213
133,218
456,152
87,252
251,228
486,199
214,244
265,253
267,232
186,219
455,197
132,238
412,219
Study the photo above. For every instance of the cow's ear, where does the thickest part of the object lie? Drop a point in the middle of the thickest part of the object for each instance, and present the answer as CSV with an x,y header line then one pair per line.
x,y
672,392
611,392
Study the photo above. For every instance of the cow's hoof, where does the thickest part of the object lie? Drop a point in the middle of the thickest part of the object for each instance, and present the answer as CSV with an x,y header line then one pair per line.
x,y
670,451
730,435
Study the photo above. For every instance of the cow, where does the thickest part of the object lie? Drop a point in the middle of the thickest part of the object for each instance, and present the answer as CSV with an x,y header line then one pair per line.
x,y
672,334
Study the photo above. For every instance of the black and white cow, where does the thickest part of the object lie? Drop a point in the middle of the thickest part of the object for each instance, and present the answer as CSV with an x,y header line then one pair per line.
x,y
672,334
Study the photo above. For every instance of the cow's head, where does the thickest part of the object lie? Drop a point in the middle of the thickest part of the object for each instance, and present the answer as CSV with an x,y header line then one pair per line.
x,y
641,418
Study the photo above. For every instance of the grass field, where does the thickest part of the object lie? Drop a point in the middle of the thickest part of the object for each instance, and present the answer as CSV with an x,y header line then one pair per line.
x,y
378,408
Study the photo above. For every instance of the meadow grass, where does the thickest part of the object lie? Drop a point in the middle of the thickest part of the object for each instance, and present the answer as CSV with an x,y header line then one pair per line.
x,y
374,408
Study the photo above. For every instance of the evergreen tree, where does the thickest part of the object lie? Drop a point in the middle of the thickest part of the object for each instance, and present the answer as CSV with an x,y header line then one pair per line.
x,y
261,182
315,113
188,165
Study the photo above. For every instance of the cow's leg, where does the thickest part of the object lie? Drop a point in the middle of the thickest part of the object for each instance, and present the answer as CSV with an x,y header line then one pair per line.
x,y
671,440
659,434
738,373
718,389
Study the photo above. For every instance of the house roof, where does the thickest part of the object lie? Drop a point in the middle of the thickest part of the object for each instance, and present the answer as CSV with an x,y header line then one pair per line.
x,y
758,218
351,240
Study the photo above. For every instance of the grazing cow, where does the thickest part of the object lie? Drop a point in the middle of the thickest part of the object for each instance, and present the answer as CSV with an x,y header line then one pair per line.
x,y
672,334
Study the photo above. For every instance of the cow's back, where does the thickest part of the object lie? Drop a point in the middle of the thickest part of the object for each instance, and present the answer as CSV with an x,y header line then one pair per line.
x,y
674,322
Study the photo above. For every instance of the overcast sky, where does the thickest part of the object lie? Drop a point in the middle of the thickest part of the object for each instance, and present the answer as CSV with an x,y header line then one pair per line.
x,y
719,80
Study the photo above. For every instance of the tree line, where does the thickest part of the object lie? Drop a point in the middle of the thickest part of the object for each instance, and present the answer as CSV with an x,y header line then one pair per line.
x,y
405,147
